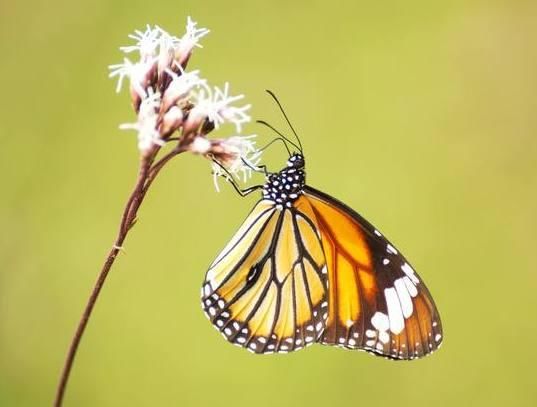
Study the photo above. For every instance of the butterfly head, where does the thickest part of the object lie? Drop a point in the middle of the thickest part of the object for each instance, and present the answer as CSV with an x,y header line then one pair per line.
x,y
284,187
296,161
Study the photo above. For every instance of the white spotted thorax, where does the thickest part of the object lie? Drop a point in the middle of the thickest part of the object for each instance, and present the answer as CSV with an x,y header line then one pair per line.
x,y
284,187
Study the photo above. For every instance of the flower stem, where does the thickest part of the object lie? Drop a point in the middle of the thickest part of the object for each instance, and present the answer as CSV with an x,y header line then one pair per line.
x,y
146,176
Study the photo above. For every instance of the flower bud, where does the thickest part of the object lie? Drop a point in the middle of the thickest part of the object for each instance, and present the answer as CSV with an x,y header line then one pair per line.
x,y
179,87
171,121
188,41
200,145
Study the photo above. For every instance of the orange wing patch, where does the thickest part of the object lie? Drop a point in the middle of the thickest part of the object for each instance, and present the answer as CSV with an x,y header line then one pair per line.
x,y
349,271
350,238
376,300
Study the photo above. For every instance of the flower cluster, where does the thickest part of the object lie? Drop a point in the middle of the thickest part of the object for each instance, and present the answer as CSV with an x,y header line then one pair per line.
x,y
170,100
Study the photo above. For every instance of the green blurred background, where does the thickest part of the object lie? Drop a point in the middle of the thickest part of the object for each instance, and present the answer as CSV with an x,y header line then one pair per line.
x,y
421,115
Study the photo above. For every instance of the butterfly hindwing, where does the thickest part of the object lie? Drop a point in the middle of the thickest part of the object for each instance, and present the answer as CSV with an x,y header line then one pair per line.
x,y
267,290
376,300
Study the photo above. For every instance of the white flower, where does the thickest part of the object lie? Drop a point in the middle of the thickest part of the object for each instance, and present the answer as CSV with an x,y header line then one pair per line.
x,y
146,126
232,114
191,38
137,73
180,86
200,145
216,105
157,49
121,70
186,102
146,42
171,121
167,45
239,157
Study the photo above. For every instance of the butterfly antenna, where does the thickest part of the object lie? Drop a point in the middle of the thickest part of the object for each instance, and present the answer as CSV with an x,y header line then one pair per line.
x,y
286,119
273,141
264,123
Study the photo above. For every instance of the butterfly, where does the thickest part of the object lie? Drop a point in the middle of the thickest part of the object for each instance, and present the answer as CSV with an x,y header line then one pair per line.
x,y
305,268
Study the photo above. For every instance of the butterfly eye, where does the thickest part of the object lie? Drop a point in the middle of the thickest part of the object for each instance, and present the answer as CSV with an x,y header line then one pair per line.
x,y
296,161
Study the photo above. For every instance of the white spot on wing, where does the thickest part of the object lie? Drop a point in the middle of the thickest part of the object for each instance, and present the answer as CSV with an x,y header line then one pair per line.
x,y
412,290
395,314
384,337
404,297
409,271
380,321
391,249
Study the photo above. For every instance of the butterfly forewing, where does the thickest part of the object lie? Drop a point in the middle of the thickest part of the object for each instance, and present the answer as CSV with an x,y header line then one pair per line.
x,y
267,290
376,300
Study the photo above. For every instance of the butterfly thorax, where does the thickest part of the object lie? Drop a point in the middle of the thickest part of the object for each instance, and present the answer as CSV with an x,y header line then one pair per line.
x,y
284,187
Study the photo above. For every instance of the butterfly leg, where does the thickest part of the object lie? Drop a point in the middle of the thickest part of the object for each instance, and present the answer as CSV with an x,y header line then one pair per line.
x,y
229,177
258,168
246,191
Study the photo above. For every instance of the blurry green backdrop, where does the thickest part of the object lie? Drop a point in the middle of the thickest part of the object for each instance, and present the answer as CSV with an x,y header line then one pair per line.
x,y
420,115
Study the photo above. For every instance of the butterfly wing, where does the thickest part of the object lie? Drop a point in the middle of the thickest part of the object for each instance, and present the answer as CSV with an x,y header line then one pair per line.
x,y
376,300
267,290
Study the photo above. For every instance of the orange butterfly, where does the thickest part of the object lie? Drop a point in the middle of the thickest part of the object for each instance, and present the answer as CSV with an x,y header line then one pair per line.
x,y
305,268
